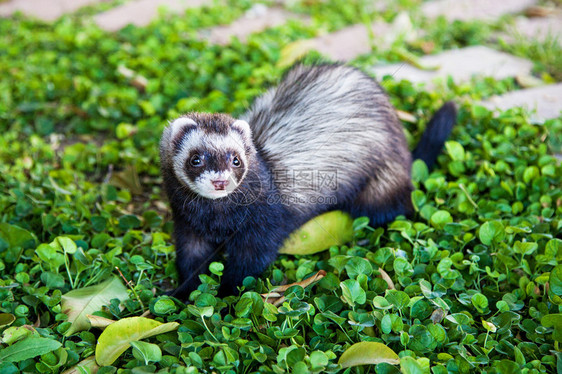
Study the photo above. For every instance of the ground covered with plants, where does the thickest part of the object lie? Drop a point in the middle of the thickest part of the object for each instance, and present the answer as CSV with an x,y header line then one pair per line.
x,y
473,282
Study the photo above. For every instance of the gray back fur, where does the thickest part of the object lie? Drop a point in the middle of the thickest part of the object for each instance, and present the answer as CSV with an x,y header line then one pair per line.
x,y
328,117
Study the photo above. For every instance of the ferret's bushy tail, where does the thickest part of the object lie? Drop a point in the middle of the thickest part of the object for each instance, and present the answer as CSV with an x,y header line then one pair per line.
x,y
435,134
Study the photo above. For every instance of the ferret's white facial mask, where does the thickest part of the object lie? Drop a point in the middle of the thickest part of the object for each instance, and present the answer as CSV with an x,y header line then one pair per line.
x,y
210,160
206,184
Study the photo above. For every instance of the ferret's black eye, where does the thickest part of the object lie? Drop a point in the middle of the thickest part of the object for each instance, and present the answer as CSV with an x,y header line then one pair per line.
x,y
196,161
236,162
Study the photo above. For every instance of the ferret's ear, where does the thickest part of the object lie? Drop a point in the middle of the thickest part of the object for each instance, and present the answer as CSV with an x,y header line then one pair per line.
x,y
244,126
178,124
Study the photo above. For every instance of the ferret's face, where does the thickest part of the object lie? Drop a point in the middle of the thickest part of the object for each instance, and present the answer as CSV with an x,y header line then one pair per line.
x,y
210,153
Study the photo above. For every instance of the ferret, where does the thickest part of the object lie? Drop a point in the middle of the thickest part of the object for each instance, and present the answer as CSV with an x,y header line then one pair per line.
x,y
326,138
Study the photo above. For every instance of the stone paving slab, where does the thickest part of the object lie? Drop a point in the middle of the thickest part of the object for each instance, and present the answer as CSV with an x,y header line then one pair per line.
x,y
353,41
344,44
466,10
142,12
47,10
460,64
538,28
547,100
256,19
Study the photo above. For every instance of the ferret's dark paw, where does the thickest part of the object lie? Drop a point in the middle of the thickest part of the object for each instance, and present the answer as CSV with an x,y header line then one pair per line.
x,y
226,290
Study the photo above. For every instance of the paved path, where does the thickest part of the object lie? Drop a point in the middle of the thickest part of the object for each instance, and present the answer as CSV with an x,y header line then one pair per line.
x,y
350,42
546,100
142,12
347,43
538,28
466,10
256,19
47,10
460,64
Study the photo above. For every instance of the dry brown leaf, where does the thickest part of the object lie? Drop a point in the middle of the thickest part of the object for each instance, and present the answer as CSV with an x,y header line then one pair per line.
x,y
528,81
279,301
146,314
437,315
276,298
89,363
540,11
271,294
137,80
303,283
384,275
127,179
406,117
427,47
100,322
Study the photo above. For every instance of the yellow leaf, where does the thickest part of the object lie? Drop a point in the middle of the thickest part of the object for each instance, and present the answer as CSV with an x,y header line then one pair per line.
x,y
368,353
293,52
320,233
116,338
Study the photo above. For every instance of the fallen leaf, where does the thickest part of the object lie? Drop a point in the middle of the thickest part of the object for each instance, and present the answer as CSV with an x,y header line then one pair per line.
x,y
406,117
541,11
276,297
320,233
293,52
88,363
528,81
117,337
427,47
387,279
78,303
127,179
137,80
437,315
414,60
368,353
100,322
303,283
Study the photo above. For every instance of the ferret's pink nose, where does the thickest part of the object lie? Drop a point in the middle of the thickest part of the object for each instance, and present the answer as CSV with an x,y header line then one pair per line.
x,y
220,185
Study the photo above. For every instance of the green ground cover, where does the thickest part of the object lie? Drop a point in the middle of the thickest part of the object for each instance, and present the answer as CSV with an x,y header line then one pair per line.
x,y
472,283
